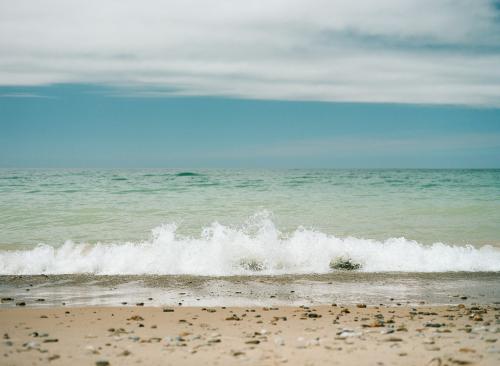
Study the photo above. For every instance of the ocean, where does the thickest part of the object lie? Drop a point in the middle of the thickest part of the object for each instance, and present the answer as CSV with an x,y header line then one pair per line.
x,y
405,232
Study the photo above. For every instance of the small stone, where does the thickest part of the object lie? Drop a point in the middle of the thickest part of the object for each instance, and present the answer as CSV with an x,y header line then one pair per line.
x,y
459,362
136,318
31,345
102,363
361,306
394,339
433,325
7,299
279,341
20,303
50,340
140,304
168,310
252,341
467,350
375,324
313,315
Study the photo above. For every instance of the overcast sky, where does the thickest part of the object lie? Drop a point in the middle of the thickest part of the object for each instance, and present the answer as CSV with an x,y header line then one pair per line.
x,y
410,51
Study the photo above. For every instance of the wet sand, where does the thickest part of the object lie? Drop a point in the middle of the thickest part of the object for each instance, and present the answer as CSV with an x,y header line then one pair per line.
x,y
315,335
347,288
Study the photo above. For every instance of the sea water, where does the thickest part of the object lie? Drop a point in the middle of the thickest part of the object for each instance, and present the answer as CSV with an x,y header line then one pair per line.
x,y
225,224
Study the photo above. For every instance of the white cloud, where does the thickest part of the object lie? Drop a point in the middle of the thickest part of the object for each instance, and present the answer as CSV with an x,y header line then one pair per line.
x,y
410,51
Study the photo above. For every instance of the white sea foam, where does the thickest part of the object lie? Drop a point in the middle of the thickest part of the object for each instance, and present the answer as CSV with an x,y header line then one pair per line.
x,y
256,248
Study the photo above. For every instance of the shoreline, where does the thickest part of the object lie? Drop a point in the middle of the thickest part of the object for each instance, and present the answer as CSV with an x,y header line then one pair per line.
x,y
289,335
344,288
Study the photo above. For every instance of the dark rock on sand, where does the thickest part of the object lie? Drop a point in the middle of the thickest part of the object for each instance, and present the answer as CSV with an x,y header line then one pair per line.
x,y
344,264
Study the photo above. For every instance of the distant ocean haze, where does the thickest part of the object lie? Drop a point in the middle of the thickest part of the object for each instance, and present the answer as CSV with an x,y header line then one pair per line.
x,y
234,222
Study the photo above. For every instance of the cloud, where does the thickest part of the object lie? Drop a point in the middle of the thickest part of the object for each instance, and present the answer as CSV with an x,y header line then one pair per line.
x,y
364,146
23,95
402,51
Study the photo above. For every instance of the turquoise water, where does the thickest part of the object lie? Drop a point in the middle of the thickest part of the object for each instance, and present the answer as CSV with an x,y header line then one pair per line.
x,y
265,214
51,206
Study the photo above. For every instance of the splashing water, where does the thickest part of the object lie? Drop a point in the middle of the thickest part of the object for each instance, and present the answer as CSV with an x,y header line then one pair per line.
x,y
257,247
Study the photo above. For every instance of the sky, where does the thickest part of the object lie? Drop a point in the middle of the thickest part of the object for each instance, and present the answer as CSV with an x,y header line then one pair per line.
x,y
295,83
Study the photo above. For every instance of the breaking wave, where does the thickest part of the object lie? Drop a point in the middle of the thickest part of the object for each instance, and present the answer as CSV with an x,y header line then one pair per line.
x,y
257,247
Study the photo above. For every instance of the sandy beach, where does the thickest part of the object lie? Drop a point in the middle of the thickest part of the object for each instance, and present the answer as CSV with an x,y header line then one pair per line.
x,y
353,335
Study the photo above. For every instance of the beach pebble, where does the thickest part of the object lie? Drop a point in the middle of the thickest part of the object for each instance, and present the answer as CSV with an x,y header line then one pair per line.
x,y
467,350
457,361
102,363
136,318
50,340
313,315
393,339
91,350
252,341
279,341
31,345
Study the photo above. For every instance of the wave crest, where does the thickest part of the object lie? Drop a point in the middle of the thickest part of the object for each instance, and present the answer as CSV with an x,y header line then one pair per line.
x,y
256,248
